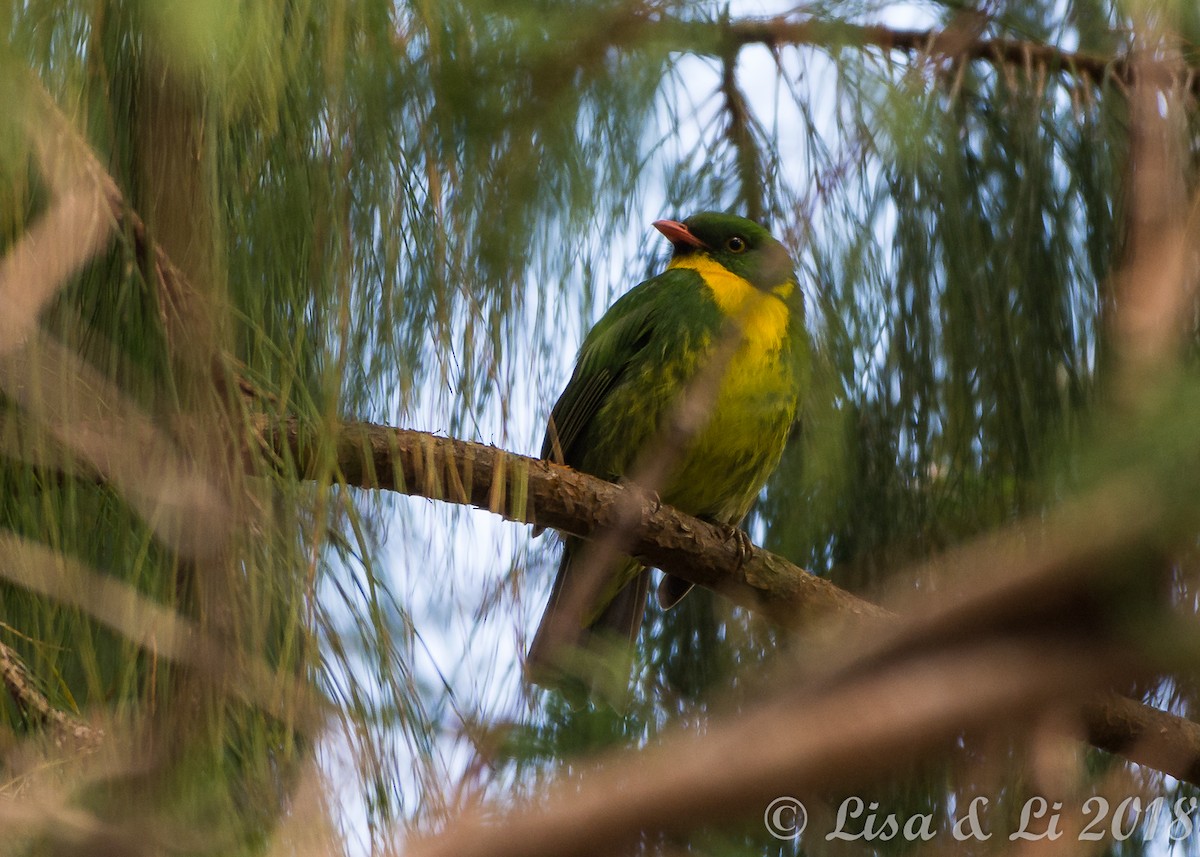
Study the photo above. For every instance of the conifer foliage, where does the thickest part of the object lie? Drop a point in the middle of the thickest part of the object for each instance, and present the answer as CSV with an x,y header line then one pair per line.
x,y
273,272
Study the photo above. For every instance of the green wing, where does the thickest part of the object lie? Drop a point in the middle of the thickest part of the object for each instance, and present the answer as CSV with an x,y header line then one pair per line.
x,y
609,349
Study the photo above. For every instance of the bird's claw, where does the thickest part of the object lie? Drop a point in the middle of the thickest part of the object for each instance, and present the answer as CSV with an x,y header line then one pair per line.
x,y
644,493
741,539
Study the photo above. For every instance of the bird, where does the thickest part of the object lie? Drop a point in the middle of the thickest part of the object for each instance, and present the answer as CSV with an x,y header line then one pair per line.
x,y
728,281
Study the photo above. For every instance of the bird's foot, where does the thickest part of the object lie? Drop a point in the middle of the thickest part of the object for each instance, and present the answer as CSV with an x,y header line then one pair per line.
x,y
741,539
643,494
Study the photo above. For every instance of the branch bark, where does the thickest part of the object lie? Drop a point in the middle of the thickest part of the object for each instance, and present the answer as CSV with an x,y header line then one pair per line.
x,y
534,491
782,31
35,708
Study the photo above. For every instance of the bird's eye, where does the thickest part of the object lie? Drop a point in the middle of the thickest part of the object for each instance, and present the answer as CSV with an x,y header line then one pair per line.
x,y
736,244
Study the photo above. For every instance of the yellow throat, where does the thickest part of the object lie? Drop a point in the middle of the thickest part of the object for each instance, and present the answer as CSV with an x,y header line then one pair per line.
x,y
762,316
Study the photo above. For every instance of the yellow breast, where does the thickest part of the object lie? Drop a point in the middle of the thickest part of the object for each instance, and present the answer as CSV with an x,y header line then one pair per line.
x,y
730,458
761,316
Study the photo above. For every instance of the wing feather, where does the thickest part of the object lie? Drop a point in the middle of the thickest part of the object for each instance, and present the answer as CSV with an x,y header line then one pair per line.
x,y
607,352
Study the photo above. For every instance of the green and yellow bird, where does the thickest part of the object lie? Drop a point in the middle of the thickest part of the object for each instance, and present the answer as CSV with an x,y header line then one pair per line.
x,y
729,283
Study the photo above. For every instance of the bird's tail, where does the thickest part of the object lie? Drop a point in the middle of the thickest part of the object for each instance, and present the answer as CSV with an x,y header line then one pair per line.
x,y
570,645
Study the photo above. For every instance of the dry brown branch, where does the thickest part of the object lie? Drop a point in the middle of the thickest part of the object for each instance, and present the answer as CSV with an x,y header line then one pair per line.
x,y
70,162
35,708
1146,735
740,133
76,226
858,731
833,35
534,491
81,410
70,234
87,414
1011,572
157,629
1155,290
1038,627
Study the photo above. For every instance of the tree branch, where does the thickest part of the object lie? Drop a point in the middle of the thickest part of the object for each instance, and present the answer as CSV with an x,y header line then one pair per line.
x,y
740,133
826,740
35,708
534,491
715,39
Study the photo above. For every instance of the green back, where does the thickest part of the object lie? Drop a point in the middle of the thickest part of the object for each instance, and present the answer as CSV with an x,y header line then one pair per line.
x,y
669,318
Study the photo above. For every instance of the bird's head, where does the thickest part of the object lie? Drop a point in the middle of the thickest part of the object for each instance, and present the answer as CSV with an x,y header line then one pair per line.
x,y
737,244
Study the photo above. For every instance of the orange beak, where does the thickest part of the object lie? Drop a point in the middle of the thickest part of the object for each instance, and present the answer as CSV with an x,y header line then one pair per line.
x,y
678,234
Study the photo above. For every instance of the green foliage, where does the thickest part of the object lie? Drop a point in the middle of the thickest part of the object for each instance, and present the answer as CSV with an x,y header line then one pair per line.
x,y
408,212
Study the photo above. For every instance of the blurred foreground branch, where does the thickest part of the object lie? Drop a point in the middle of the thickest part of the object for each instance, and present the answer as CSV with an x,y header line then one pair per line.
x,y
534,491
863,728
